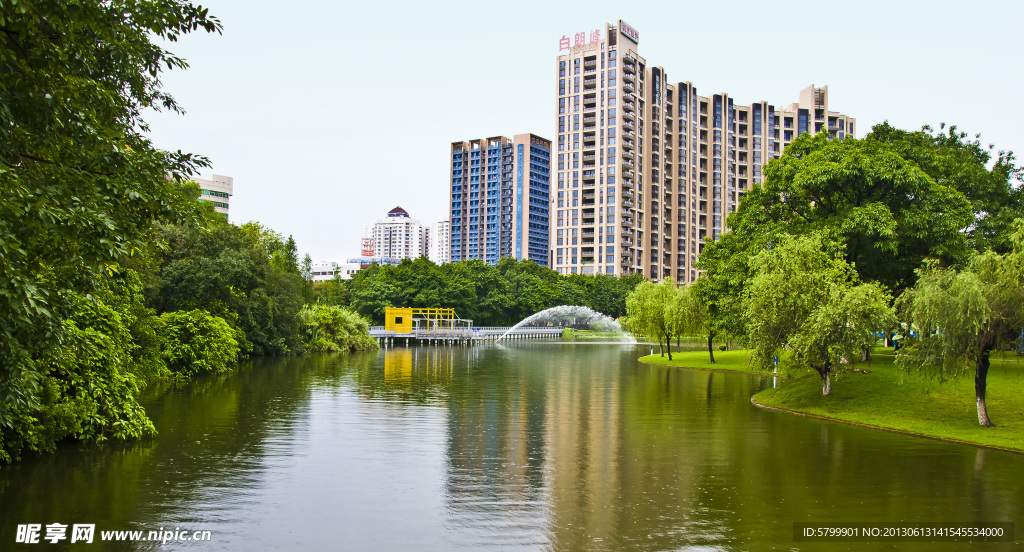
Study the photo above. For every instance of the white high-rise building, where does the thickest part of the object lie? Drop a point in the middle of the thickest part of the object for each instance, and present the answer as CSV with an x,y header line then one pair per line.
x,y
440,242
398,236
217,190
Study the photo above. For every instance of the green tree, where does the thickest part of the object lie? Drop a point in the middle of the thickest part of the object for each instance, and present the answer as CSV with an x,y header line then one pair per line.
x,y
689,316
990,180
333,292
886,213
649,313
88,388
961,316
229,272
811,302
82,184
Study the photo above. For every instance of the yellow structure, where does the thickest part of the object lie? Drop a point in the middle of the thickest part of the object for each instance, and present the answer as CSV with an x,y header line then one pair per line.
x,y
405,320
398,320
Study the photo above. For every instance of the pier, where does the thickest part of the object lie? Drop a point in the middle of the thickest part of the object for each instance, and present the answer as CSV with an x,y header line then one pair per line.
x,y
462,336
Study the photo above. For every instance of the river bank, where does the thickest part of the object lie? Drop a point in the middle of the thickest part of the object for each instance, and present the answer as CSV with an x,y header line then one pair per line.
x,y
884,397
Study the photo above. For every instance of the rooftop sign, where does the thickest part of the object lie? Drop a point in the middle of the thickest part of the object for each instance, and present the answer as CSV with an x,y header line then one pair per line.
x,y
580,41
629,31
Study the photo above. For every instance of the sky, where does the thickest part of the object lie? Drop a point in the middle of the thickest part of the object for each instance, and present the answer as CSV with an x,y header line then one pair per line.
x,y
329,114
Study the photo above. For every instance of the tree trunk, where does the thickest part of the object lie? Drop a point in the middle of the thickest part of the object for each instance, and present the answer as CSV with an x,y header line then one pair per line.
x,y
865,354
980,374
661,347
668,345
826,381
711,349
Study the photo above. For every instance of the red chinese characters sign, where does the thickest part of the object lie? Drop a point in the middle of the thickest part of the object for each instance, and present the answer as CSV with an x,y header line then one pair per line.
x,y
579,40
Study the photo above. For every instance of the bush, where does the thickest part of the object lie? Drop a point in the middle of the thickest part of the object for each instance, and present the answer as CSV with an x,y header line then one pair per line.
x,y
196,342
88,388
330,328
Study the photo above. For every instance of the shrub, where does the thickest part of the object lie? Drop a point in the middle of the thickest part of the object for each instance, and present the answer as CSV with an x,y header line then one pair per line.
x,y
331,328
196,342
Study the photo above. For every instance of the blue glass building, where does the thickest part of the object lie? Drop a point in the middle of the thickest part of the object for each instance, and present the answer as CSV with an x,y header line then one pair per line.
x,y
500,197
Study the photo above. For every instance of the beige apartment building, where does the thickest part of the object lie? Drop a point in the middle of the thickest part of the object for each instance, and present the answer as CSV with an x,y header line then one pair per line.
x,y
646,169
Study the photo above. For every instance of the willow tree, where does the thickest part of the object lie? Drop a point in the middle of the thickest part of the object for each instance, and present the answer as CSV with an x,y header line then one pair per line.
x,y
689,316
803,297
649,313
961,316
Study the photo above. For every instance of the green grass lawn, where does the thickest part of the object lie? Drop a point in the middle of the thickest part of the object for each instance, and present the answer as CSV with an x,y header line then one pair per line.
x,y
730,361
888,398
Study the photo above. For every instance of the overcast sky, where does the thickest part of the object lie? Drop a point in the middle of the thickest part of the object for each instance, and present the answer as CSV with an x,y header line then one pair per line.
x,y
329,114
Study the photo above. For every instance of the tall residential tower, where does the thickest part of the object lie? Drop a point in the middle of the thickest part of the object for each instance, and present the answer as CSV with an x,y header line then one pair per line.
x,y
500,199
647,170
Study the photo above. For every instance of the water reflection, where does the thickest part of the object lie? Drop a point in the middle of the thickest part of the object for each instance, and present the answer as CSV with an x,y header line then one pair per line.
x,y
528,445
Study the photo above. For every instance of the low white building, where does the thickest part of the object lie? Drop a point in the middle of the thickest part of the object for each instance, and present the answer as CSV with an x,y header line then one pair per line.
x,y
323,271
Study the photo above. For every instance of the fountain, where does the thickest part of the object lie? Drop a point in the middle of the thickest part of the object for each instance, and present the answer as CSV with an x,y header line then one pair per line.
x,y
567,315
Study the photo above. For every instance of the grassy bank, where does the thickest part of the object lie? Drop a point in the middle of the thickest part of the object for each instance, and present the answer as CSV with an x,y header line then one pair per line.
x,y
888,398
726,361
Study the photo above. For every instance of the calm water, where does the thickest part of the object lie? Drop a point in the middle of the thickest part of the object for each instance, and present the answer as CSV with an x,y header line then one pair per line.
x,y
537,446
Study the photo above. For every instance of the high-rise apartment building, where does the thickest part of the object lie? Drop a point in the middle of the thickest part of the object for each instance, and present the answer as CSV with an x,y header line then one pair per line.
x,y
647,169
440,242
500,199
217,190
398,236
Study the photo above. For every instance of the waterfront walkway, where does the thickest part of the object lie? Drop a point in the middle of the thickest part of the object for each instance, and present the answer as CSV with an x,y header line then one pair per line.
x,y
464,335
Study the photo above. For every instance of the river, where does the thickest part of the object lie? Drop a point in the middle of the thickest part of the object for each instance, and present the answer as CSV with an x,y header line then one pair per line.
x,y
529,445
